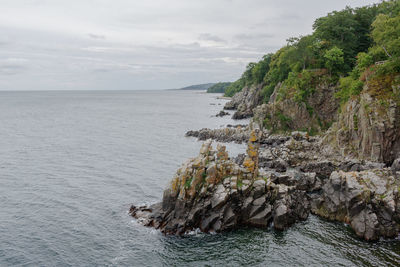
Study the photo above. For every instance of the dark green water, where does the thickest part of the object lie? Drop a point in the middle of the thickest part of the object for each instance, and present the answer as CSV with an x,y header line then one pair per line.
x,y
71,164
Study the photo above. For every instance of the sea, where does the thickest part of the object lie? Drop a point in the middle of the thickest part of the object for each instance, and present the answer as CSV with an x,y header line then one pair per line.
x,y
73,162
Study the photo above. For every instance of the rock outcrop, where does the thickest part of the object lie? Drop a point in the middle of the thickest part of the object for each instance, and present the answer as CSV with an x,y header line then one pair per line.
x,y
245,101
369,201
213,193
369,128
238,134
278,182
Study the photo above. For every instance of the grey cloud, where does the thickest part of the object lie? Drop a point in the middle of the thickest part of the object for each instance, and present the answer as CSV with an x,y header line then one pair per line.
x,y
144,44
10,69
247,36
97,36
211,37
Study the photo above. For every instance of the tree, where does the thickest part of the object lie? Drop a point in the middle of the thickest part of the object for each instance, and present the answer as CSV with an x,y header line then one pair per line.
x,y
302,52
261,68
349,30
334,59
364,17
389,7
386,34
339,29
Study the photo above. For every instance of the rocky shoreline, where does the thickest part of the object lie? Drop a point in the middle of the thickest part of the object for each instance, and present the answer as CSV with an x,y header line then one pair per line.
x,y
278,182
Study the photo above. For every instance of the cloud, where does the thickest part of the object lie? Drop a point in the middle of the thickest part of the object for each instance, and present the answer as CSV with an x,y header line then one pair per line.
x,y
13,66
11,69
211,37
247,36
54,44
97,36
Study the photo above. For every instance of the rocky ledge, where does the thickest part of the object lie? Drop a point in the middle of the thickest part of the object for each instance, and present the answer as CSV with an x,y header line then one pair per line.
x,y
237,134
214,193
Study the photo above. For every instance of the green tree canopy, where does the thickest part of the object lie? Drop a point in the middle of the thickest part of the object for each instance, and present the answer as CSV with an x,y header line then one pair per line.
x,y
386,34
334,59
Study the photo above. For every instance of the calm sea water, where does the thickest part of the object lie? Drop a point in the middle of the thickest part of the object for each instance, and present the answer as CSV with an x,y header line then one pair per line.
x,y
72,163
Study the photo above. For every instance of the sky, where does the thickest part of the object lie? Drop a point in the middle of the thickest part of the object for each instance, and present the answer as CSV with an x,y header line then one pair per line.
x,y
144,44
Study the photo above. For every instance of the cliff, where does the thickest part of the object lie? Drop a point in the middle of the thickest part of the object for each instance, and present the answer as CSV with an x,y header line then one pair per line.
x,y
284,112
369,125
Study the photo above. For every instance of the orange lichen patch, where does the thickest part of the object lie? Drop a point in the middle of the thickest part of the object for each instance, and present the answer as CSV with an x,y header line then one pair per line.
x,y
249,164
253,137
252,150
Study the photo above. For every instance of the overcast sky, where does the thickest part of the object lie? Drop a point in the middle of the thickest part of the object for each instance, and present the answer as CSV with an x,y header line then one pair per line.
x,y
144,44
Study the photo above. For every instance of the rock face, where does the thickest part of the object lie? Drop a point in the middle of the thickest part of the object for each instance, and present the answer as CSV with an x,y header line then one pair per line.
x,y
316,112
245,101
369,201
369,128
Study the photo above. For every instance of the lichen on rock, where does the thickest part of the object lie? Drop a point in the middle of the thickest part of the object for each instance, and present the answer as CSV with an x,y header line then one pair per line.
x,y
213,193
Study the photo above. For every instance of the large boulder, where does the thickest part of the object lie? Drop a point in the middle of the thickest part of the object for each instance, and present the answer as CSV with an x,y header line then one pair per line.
x,y
368,201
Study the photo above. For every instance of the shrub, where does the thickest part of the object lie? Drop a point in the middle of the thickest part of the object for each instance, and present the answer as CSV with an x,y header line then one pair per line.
x,y
348,87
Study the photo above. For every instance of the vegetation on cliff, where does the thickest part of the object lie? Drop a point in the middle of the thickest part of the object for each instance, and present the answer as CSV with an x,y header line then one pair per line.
x,y
350,51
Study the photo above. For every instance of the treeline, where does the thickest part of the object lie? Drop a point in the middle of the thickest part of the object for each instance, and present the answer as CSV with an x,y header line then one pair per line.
x,y
218,87
343,46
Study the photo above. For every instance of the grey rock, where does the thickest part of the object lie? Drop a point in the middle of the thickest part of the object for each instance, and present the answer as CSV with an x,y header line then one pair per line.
x,y
396,165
